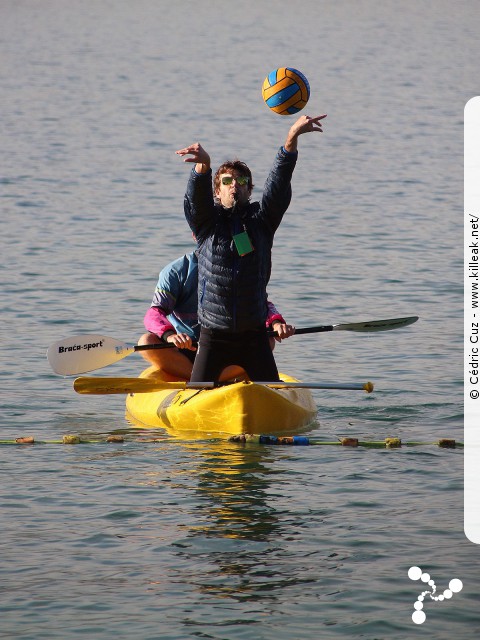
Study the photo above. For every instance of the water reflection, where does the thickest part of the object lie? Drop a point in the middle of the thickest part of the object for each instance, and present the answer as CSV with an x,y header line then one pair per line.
x,y
207,513
234,482
237,546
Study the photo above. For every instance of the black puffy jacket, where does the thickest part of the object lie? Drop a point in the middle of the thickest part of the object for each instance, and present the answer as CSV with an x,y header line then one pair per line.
x,y
232,290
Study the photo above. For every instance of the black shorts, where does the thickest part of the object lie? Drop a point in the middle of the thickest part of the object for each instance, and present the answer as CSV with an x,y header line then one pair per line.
x,y
185,352
219,349
188,353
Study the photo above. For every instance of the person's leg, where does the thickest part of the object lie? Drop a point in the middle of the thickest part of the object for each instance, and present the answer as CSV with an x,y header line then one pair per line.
x,y
214,360
174,364
221,357
203,366
233,371
257,358
236,371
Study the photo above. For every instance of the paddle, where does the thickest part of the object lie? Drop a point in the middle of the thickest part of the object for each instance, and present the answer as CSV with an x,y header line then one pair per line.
x,y
92,385
371,326
79,354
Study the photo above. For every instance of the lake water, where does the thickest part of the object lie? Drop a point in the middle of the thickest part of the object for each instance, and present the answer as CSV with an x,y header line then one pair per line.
x,y
179,539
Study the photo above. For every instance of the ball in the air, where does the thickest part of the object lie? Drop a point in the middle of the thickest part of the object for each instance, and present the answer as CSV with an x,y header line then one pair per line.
x,y
285,91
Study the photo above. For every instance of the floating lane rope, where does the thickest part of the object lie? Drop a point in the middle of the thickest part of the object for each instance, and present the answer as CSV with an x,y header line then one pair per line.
x,y
387,443
67,439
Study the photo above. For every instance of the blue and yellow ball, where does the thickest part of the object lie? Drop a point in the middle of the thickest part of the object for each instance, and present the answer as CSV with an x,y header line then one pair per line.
x,y
285,91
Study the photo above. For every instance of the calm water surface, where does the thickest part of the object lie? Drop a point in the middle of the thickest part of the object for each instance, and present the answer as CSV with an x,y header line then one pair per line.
x,y
179,539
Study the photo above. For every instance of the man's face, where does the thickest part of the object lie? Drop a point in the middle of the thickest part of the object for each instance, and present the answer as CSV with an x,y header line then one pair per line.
x,y
233,188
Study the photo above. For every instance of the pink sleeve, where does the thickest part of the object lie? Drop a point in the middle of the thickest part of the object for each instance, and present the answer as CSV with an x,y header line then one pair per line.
x,y
156,322
273,315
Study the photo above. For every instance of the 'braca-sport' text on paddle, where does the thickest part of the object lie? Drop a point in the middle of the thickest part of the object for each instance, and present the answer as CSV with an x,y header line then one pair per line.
x,y
80,354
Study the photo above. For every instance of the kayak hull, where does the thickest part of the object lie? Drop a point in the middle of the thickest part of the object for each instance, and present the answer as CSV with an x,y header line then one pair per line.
x,y
238,408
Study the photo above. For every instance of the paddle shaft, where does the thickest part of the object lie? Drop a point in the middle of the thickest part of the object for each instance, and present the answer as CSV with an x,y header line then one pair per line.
x,y
79,354
104,385
271,334
362,327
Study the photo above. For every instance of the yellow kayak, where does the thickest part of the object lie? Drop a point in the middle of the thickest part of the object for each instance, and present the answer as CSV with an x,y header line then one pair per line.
x,y
234,409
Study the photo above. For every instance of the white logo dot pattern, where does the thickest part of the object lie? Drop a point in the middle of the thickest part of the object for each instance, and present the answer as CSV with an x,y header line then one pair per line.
x,y
415,573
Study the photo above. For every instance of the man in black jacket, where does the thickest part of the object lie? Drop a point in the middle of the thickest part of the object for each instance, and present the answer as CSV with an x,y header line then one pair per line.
x,y
235,240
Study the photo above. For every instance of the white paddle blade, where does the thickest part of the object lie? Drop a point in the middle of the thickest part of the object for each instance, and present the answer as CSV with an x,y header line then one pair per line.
x,y
79,354
376,325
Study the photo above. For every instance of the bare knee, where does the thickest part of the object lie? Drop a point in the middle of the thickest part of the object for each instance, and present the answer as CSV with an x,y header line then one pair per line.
x,y
149,338
233,371
151,356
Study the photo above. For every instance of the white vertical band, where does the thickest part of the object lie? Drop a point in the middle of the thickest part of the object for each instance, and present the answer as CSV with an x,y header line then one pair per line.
x,y
472,319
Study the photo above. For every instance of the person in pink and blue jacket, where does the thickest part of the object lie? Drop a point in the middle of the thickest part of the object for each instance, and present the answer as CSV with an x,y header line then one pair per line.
x,y
172,317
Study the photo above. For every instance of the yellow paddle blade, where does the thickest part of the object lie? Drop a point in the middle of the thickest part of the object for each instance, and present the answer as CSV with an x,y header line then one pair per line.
x,y
92,385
